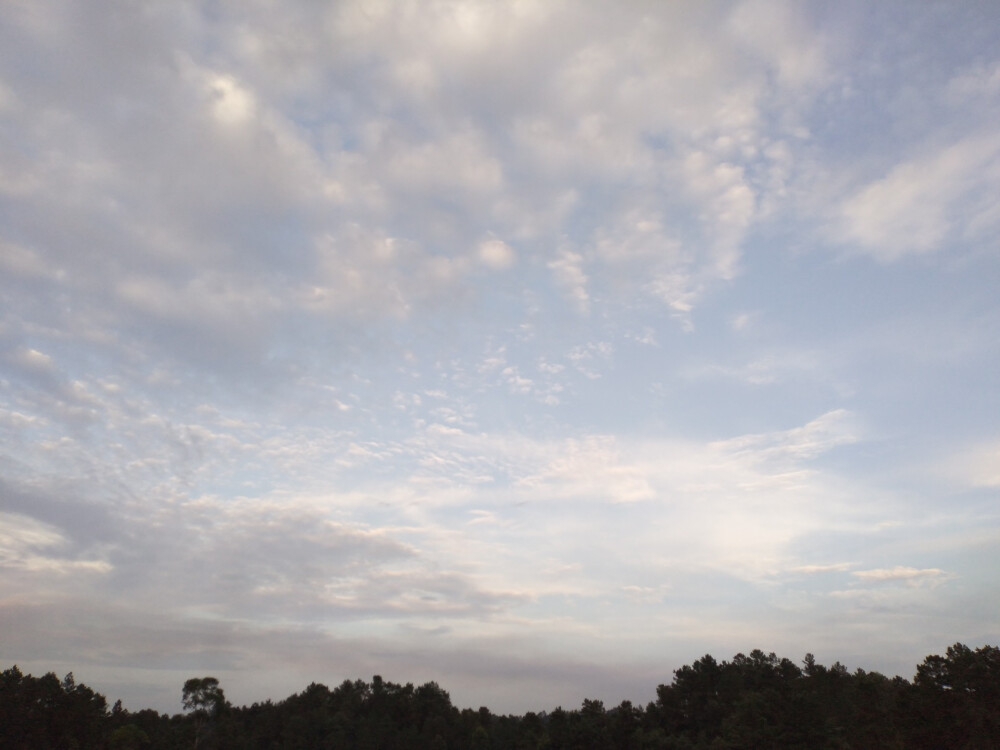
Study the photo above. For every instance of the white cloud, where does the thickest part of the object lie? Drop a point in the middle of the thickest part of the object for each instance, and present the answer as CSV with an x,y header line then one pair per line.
x,y
923,202
568,271
835,428
232,104
903,574
17,420
496,254
31,360
742,321
827,568
587,470
975,84
779,33
33,551
646,594
21,533
429,165
977,465
728,203
767,369
457,162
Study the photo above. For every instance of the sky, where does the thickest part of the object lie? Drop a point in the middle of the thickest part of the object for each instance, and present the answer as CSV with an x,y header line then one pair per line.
x,y
535,348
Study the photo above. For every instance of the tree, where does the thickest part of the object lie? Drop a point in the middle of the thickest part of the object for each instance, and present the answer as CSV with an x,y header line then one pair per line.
x,y
128,737
42,712
957,698
205,699
203,694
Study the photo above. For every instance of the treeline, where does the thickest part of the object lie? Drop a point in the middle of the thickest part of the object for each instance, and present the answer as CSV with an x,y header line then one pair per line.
x,y
757,701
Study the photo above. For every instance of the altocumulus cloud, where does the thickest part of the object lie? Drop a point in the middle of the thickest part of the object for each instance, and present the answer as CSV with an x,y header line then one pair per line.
x,y
533,348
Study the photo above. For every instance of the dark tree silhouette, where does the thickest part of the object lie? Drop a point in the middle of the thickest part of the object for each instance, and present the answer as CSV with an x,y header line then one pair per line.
x,y
751,701
205,699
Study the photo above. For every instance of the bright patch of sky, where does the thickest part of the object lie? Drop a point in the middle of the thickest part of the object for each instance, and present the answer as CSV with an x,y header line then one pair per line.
x,y
535,348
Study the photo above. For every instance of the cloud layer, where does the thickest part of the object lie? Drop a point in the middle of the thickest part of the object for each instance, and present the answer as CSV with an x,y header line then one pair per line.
x,y
531,348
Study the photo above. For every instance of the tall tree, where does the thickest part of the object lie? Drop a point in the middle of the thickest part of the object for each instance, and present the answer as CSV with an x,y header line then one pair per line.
x,y
205,699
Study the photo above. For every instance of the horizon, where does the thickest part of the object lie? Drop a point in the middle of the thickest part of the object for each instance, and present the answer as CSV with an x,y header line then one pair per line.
x,y
532,349
608,705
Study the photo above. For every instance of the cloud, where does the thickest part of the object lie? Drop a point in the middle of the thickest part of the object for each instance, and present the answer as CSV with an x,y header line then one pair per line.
x,y
16,420
923,202
497,254
777,31
260,203
739,505
569,274
232,105
977,465
31,360
767,369
30,550
910,576
286,553
975,84
588,469
835,428
828,568
380,331
729,203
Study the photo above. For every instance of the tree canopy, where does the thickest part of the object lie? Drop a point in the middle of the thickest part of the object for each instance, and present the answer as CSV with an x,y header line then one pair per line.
x,y
754,700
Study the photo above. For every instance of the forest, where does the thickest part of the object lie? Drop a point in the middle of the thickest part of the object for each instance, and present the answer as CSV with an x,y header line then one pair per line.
x,y
750,701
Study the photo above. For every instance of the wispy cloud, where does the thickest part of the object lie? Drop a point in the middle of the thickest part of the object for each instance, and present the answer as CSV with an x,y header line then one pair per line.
x,y
925,202
902,574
